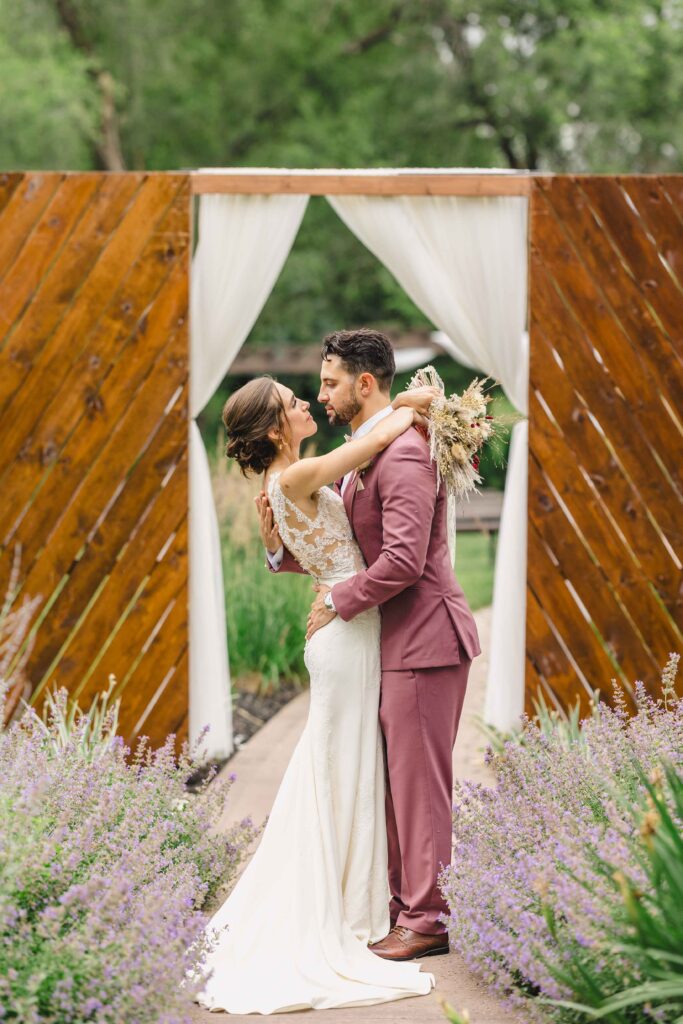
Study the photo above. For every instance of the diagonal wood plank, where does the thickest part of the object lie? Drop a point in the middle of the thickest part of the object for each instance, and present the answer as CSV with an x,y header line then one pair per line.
x,y
561,609
620,498
181,729
595,249
54,227
122,348
127,635
579,369
638,252
91,475
9,183
94,402
60,288
168,714
117,570
584,300
607,403
21,212
605,439
601,534
660,217
71,337
672,187
166,582
619,632
548,661
166,648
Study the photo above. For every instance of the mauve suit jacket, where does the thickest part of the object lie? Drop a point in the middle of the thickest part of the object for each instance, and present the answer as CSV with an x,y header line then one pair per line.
x,y
399,522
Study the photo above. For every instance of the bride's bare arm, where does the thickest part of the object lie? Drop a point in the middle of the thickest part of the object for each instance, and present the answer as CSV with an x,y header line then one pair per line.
x,y
304,477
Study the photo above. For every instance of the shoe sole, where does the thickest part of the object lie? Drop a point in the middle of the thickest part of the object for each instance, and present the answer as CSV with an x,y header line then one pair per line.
x,y
439,951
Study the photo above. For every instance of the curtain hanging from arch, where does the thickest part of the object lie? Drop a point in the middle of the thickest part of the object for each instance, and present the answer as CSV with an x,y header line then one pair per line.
x,y
463,261
243,243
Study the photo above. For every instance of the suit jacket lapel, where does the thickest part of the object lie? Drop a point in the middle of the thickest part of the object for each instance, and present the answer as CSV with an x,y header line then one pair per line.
x,y
350,493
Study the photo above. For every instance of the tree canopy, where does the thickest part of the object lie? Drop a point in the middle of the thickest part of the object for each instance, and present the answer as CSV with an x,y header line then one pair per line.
x,y
582,85
588,85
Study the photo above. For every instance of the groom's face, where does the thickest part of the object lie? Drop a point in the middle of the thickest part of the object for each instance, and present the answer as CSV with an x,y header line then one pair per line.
x,y
339,392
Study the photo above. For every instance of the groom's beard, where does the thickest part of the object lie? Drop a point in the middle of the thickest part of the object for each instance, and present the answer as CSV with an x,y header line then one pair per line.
x,y
342,414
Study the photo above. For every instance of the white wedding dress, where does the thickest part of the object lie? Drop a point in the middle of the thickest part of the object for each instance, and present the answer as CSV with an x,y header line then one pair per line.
x,y
294,932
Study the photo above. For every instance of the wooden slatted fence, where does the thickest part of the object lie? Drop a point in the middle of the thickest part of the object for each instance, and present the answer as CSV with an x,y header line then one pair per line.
x,y
94,275
94,402
605,580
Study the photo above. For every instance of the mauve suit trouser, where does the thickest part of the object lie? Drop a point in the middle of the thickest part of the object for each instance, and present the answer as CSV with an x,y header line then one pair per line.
x,y
419,714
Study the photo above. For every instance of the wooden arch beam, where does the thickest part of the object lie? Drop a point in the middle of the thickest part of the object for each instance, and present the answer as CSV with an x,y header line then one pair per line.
x,y
239,181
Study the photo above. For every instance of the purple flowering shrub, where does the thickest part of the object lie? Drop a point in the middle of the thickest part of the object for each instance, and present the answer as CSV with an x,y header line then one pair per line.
x,y
106,860
647,921
543,864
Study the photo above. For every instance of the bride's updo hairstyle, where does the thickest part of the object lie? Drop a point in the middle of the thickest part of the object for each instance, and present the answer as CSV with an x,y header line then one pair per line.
x,y
248,415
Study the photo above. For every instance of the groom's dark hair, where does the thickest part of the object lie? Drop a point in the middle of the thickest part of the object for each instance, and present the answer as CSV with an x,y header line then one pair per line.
x,y
363,351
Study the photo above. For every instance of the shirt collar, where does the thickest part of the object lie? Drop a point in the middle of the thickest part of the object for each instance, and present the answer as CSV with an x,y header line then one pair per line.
x,y
364,428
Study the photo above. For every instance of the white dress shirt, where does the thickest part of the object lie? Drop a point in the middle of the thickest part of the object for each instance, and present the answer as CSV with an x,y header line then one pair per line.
x,y
365,427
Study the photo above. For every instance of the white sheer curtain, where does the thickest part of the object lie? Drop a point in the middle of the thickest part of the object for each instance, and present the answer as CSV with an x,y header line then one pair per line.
x,y
243,244
463,261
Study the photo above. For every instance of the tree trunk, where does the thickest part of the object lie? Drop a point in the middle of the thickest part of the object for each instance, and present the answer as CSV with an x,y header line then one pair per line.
x,y
108,155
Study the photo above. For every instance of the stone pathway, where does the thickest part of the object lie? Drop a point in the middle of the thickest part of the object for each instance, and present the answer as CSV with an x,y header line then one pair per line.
x,y
259,767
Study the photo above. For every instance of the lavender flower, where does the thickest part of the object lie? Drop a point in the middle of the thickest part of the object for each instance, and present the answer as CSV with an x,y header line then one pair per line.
x,y
534,879
106,861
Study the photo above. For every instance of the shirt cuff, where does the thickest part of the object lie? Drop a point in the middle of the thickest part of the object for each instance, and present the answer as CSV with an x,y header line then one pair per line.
x,y
275,559
330,600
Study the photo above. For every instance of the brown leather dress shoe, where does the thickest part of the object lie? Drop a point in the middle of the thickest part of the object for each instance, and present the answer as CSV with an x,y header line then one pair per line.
x,y
403,944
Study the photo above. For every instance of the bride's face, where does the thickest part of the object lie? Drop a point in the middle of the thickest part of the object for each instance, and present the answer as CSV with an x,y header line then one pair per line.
x,y
299,424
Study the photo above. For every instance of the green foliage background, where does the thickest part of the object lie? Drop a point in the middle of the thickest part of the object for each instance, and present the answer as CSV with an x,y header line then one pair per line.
x,y
578,85
581,85
571,86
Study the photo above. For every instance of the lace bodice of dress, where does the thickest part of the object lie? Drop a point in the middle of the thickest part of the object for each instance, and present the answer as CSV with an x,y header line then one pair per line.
x,y
323,546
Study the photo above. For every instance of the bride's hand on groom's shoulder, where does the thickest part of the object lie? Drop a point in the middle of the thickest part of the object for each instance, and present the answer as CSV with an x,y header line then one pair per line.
x,y
418,399
270,535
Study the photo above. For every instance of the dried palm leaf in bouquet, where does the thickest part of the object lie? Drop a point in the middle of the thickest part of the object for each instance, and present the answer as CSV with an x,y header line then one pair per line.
x,y
459,425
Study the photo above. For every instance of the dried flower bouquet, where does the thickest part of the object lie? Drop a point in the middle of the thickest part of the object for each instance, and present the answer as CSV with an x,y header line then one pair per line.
x,y
459,425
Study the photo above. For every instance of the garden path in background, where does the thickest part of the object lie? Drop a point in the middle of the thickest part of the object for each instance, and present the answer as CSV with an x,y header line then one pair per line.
x,y
259,767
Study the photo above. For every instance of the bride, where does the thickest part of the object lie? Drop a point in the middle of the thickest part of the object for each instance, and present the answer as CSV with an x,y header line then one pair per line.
x,y
294,932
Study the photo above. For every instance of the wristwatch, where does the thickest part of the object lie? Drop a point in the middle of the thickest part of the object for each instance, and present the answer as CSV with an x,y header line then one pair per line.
x,y
328,602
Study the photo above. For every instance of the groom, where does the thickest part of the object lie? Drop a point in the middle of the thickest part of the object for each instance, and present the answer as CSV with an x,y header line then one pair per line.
x,y
428,633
